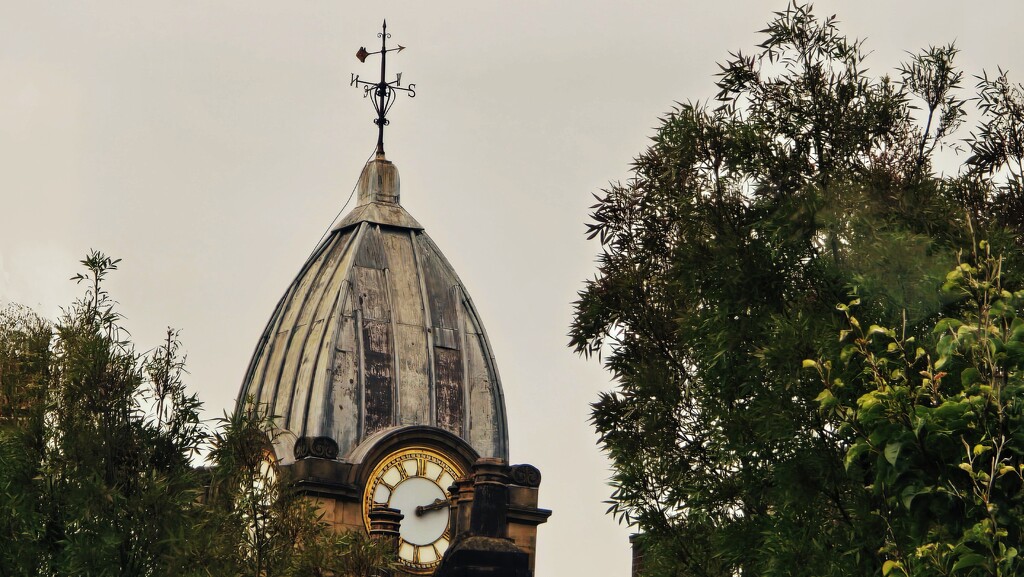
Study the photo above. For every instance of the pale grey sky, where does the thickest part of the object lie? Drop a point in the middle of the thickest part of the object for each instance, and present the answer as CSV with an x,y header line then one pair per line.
x,y
210,143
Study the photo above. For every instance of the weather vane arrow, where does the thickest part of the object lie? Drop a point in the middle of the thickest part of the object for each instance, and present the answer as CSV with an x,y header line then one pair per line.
x,y
383,92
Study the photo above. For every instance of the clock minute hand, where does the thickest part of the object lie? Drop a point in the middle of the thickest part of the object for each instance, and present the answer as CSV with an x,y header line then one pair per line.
x,y
437,504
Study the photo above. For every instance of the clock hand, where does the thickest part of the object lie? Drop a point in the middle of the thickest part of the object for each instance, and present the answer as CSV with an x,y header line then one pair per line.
x,y
437,504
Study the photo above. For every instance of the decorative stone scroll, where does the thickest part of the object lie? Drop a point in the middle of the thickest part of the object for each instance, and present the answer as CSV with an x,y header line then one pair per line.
x,y
525,475
319,447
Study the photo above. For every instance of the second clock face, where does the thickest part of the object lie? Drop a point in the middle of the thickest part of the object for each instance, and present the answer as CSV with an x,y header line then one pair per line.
x,y
415,481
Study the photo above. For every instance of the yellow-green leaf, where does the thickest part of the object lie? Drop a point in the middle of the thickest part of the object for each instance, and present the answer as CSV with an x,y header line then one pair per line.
x,y
826,399
889,565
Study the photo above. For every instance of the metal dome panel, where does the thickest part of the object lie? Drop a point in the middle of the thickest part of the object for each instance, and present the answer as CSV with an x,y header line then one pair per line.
x,y
376,332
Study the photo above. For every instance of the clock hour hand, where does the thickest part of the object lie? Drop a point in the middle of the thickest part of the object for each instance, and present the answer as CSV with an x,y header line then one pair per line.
x,y
437,504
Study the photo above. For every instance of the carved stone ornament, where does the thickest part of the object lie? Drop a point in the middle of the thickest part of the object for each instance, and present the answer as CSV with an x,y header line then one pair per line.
x,y
525,475
319,447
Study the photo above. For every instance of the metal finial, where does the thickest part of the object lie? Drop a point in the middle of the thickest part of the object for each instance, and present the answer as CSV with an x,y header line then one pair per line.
x,y
383,91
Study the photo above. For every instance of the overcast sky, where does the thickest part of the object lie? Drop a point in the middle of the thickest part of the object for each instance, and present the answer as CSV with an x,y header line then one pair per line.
x,y
209,144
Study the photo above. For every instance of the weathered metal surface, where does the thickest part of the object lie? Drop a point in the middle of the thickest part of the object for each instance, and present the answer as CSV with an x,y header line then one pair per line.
x,y
448,368
308,328
488,410
341,417
279,331
255,375
377,199
378,392
403,277
408,316
379,213
375,332
380,183
449,390
483,416
431,399
370,252
439,283
317,352
376,345
414,375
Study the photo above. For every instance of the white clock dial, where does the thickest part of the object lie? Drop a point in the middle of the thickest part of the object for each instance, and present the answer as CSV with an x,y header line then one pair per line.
x,y
415,481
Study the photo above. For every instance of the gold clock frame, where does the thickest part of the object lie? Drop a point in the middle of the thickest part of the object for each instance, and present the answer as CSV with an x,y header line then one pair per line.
x,y
448,465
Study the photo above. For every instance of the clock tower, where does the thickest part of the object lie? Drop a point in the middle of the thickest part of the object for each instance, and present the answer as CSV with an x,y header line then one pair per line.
x,y
386,389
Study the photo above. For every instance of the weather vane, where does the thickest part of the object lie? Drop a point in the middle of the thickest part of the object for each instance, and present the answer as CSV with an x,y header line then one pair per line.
x,y
383,91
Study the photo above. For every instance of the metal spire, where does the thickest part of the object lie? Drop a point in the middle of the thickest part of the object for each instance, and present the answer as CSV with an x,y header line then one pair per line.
x,y
383,91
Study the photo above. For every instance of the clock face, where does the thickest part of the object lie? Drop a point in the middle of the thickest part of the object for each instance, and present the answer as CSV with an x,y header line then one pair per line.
x,y
415,481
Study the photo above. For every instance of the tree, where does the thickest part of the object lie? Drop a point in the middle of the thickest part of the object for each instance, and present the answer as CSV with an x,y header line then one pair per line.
x,y
723,259
24,365
939,431
256,523
96,442
98,446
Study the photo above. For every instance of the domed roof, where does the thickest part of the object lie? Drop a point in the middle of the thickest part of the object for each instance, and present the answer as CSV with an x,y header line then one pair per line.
x,y
378,332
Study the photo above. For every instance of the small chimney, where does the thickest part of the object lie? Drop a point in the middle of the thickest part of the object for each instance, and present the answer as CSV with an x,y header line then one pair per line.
x,y
462,505
489,514
636,546
385,523
484,549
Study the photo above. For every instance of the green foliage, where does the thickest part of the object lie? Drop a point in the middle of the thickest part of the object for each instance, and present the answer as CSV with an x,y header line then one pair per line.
x,y
97,451
256,523
998,147
351,554
87,467
24,364
938,431
722,260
